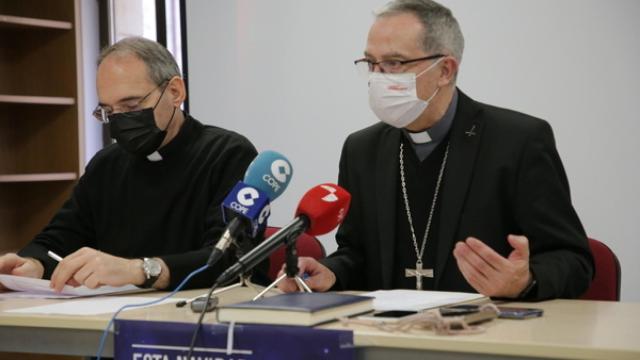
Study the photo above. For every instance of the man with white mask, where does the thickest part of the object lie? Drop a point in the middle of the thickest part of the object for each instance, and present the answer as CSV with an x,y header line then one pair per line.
x,y
448,193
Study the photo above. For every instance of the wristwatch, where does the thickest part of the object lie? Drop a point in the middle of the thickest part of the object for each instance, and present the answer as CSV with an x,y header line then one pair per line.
x,y
152,270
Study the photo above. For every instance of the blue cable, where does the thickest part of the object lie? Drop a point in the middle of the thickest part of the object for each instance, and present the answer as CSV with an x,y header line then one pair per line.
x,y
148,303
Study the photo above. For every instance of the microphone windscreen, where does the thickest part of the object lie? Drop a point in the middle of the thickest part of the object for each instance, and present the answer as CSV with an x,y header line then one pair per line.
x,y
270,172
325,206
248,203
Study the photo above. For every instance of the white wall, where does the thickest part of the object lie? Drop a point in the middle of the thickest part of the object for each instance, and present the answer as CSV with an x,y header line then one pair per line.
x,y
281,73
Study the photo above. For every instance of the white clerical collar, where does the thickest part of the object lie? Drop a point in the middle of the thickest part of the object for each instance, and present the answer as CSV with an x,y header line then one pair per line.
x,y
421,137
154,156
438,131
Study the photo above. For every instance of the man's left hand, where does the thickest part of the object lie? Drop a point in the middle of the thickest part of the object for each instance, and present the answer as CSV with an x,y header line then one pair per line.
x,y
490,273
93,268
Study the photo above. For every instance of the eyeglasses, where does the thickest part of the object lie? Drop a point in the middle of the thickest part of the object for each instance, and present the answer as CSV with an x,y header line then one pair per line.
x,y
366,66
102,113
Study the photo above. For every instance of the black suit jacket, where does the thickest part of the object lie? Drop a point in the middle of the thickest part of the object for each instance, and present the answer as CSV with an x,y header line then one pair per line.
x,y
505,177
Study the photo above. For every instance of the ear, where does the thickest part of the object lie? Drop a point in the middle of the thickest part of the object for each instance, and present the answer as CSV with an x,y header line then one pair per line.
x,y
448,71
177,91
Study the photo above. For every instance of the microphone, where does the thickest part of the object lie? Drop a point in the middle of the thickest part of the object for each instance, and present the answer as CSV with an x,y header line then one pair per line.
x,y
270,172
246,207
320,210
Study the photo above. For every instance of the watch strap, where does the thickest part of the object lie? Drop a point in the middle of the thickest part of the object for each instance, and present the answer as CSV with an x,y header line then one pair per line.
x,y
149,278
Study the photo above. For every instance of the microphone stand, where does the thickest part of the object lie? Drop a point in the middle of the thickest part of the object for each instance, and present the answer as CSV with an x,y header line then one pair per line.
x,y
244,280
291,267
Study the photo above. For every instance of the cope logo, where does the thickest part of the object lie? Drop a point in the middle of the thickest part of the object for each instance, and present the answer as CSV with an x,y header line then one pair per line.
x,y
280,172
331,197
246,197
264,214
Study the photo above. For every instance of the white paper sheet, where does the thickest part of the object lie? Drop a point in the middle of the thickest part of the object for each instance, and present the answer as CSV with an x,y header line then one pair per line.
x,y
93,306
417,300
38,288
28,295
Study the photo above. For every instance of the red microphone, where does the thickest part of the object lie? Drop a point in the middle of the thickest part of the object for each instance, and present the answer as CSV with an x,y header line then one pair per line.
x,y
325,206
320,210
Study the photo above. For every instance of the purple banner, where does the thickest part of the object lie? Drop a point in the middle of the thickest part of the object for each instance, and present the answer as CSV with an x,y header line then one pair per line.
x,y
152,340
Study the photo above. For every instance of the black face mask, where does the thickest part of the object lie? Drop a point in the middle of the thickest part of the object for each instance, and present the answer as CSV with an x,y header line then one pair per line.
x,y
137,132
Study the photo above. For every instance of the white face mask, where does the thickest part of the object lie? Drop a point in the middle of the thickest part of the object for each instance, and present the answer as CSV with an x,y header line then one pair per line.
x,y
394,98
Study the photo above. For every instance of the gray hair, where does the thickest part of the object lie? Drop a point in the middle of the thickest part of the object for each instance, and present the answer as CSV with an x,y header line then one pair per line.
x,y
161,65
442,31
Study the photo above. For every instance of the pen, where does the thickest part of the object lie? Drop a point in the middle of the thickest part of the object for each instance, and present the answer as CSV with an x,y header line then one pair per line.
x,y
54,256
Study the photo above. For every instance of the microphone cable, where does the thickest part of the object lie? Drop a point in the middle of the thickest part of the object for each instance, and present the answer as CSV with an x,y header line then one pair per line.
x,y
199,323
148,303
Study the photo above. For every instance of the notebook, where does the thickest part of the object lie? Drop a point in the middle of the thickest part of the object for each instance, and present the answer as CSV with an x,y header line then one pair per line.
x,y
306,309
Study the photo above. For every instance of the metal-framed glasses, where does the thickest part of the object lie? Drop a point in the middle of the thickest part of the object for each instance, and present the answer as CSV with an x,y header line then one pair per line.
x,y
366,66
102,113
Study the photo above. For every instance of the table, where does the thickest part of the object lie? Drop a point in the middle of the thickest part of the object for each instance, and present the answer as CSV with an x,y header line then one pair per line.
x,y
569,329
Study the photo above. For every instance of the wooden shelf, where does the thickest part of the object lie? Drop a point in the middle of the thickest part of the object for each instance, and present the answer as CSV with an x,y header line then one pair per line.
x,y
9,21
15,178
37,100
41,122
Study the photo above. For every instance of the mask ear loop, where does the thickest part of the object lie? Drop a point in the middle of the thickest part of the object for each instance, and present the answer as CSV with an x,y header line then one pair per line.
x,y
430,67
171,120
158,102
424,71
434,95
161,94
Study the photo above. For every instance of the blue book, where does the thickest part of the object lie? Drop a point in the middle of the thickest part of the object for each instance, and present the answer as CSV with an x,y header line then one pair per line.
x,y
306,309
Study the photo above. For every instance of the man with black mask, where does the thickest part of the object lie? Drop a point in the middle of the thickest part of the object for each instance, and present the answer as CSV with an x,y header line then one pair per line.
x,y
147,208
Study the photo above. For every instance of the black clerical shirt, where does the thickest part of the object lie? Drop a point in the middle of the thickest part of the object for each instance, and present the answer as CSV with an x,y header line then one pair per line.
x,y
131,207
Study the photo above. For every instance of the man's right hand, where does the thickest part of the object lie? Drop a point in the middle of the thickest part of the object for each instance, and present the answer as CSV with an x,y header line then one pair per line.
x,y
13,264
320,278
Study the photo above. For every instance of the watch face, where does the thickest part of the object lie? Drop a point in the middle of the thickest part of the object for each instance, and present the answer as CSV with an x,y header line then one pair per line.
x,y
152,267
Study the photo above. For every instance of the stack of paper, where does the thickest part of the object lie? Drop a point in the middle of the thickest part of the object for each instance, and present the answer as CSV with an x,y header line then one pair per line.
x,y
417,300
38,288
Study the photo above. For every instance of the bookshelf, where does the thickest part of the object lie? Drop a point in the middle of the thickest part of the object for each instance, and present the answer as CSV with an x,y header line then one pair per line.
x,y
27,22
40,121
33,100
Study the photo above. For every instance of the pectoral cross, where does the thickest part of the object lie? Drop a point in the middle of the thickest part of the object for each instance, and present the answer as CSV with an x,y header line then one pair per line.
x,y
419,273
471,133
